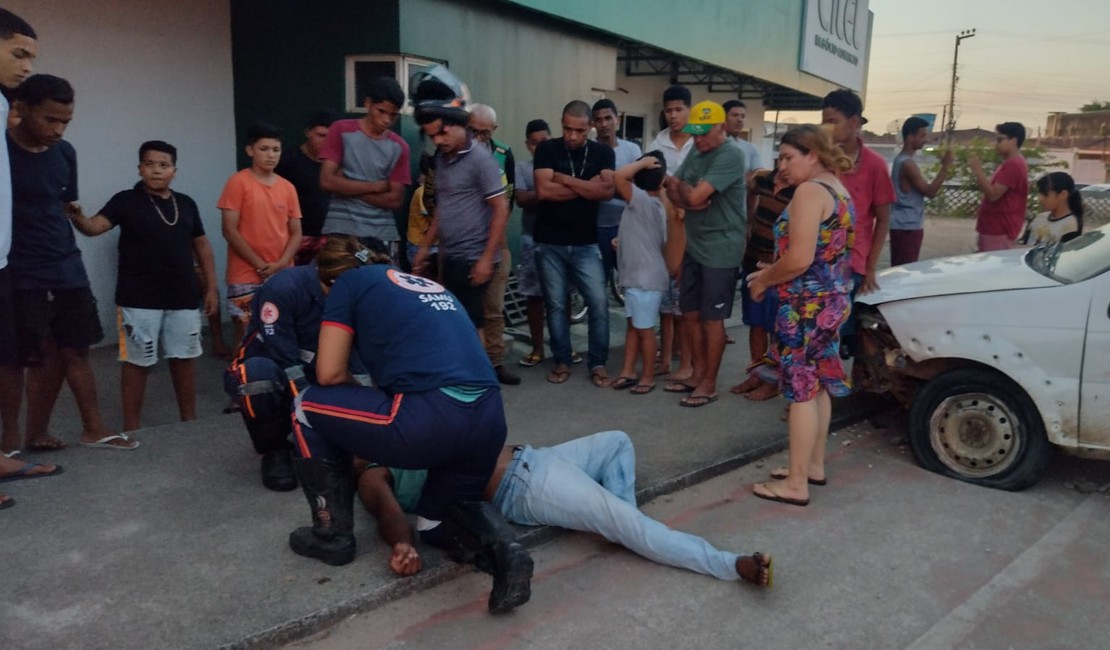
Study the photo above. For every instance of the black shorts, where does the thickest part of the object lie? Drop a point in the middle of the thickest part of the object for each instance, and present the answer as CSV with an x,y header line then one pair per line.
x,y
68,316
9,346
456,277
707,290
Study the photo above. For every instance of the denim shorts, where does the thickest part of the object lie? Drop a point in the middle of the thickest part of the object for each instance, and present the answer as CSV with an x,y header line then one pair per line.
x,y
642,307
142,331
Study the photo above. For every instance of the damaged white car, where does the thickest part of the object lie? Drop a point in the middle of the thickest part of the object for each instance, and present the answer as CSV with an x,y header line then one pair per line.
x,y
1000,357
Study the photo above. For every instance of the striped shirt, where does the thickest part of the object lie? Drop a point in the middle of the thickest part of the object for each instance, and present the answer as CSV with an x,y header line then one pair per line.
x,y
764,208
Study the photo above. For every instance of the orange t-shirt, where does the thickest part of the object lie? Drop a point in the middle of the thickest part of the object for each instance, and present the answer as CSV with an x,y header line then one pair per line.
x,y
264,214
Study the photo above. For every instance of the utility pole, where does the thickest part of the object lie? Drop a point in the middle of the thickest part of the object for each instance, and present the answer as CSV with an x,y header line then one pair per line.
x,y
951,126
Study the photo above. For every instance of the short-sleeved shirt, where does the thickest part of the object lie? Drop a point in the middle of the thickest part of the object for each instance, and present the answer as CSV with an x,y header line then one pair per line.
x,y
869,185
1046,229
764,207
573,222
1006,216
285,319
609,212
363,158
408,485
526,181
155,257
643,231
752,157
672,154
5,193
44,252
304,173
464,185
264,214
715,236
412,334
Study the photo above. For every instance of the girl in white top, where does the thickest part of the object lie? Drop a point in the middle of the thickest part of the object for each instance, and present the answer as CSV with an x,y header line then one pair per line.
x,y
1062,218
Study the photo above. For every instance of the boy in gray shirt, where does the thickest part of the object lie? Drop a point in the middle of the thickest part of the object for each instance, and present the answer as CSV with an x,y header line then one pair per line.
x,y
643,271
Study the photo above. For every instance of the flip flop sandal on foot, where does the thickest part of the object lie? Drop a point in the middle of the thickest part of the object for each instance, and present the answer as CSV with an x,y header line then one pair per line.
x,y
559,375
620,383
642,389
531,359
25,472
107,443
771,495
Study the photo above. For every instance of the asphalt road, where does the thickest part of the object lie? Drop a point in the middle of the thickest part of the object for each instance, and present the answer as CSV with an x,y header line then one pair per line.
x,y
887,556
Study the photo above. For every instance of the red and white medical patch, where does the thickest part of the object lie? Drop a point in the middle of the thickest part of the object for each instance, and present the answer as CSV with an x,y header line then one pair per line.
x,y
269,314
414,282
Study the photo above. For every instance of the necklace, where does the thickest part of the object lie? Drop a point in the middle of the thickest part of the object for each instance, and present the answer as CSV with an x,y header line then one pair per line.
x,y
585,157
166,221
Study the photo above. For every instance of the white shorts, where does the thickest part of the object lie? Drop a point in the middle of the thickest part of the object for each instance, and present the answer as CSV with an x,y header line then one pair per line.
x,y
642,307
141,331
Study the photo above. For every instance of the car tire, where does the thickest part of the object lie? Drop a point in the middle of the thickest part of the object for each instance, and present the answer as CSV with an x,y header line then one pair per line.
x,y
978,426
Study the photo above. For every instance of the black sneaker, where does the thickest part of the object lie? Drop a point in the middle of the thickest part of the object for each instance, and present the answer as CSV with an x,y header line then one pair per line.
x,y
506,377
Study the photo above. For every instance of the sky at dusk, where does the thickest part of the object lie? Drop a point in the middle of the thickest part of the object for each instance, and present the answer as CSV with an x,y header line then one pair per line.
x,y
1028,58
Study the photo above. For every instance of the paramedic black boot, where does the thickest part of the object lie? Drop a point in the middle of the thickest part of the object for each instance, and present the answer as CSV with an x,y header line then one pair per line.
x,y
474,531
329,487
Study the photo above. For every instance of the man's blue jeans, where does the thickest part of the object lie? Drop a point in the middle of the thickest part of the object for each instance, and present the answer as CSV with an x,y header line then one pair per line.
x,y
589,484
559,267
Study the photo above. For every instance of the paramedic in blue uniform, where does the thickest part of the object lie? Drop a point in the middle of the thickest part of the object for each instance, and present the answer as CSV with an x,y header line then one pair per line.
x,y
277,359
435,404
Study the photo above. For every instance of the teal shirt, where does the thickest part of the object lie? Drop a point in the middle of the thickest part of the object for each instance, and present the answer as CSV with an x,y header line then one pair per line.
x,y
407,486
715,236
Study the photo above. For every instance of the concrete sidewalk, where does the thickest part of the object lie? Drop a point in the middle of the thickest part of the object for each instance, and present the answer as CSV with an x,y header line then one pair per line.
x,y
177,544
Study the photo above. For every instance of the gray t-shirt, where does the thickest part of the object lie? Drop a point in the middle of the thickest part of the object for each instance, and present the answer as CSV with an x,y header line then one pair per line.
x,y
609,212
526,181
464,185
363,158
751,155
641,236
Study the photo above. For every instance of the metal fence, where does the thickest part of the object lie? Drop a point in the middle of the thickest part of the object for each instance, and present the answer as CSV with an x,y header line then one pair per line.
x,y
962,201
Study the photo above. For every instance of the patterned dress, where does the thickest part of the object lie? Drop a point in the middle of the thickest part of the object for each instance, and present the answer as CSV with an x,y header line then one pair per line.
x,y
812,307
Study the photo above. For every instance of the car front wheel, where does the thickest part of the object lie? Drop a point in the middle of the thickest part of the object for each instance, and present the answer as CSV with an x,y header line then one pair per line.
x,y
978,426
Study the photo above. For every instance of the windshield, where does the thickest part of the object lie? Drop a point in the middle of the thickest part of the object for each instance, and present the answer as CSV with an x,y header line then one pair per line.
x,y
1075,260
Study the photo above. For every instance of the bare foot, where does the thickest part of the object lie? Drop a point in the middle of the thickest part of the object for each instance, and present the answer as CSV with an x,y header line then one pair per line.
x,y
757,569
782,473
679,375
763,393
747,386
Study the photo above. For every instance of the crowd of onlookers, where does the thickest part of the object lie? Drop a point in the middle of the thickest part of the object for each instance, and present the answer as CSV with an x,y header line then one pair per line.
x,y
681,226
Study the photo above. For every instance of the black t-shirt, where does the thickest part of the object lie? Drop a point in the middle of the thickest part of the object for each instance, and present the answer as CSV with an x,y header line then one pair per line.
x,y
304,173
155,258
44,251
573,222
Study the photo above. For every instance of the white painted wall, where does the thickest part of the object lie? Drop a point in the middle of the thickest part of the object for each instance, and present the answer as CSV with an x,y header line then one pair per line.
x,y
141,71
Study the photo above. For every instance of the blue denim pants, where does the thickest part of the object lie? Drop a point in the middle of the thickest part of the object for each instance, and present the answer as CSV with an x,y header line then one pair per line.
x,y
559,267
589,484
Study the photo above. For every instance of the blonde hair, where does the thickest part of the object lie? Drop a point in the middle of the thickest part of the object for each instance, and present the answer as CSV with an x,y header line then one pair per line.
x,y
341,253
809,138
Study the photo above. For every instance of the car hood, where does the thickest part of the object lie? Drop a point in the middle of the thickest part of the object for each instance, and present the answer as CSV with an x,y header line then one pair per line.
x,y
975,273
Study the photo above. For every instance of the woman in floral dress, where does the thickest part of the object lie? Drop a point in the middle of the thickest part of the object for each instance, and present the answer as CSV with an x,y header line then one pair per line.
x,y
812,274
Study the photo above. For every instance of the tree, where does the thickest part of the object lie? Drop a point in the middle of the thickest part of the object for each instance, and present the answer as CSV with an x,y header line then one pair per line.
x,y
1095,106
